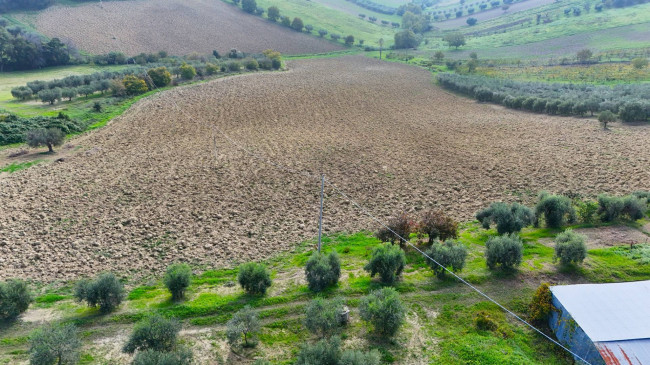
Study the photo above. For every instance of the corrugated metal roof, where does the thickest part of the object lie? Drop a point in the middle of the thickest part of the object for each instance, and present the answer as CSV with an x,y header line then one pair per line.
x,y
630,352
609,312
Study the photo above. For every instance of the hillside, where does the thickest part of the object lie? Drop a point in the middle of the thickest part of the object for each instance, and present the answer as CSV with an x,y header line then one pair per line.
x,y
148,186
178,27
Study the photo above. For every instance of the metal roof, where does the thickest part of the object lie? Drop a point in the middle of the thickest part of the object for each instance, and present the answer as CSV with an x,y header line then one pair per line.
x,y
630,352
609,312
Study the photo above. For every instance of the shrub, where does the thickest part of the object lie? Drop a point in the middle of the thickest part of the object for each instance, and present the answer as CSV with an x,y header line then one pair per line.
x,y
261,362
233,66
297,24
106,292
471,21
188,72
21,92
49,137
384,310
483,321
606,117
402,225
322,270
160,76
539,105
437,225
552,107
276,63
245,325
252,65
323,316
450,254
117,88
182,356
254,278
177,279
349,40
640,63
323,352
504,250
15,298
630,112
586,211
611,208
565,107
570,248
483,94
273,13
542,304
249,6
322,33
356,357
556,210
134,85
388,261
211,69
52,344
154,333
508,218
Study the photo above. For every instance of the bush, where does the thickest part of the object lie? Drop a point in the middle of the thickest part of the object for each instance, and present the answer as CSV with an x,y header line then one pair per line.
x,y
249,6
384,310
542,304
160,76
154,333
54,344
505,250
437,225
273,13
15,298
640,63
254,278
106,292
233,66
276,63
483,94
586,211
182,356
252,65
324,352
630,112
177,279
297,24
606,117
49,137
484,322
323,316
322,270
508,218
134,85
450,254
117,88
570,248
245,325
556,210
349,40
402,225
355,357
388,261
188,72
471,21
611,208
211,69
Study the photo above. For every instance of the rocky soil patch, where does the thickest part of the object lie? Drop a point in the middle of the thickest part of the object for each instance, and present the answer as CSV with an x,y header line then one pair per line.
x,y
152,191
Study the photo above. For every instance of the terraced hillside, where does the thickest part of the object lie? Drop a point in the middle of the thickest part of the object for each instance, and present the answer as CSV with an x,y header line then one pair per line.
x,y
151,188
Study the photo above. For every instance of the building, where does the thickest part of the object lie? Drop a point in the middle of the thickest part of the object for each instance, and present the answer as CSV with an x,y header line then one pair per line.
x,y
604,323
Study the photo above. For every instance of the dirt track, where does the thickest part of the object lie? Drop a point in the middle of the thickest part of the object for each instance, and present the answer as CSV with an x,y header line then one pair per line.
x,y
179,27
148,191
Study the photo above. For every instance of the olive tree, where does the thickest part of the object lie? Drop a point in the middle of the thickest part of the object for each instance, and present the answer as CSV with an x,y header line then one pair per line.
x,y
384,310
54,344
50,95
555,209
181,356
506,251
49,137
155,333
254,278
605,117
15,298
323,316
388,261
449,254
508,218
106,291
177,279
570,248
322,270
244,325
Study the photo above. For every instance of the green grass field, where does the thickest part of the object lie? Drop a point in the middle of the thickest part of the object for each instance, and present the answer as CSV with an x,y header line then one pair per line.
x,y
440,322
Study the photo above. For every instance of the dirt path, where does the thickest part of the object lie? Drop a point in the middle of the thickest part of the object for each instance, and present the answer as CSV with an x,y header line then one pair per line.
x,y
152,192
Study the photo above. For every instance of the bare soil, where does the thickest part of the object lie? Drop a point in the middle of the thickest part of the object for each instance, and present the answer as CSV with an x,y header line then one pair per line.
x,y
147,189
177,26
612,236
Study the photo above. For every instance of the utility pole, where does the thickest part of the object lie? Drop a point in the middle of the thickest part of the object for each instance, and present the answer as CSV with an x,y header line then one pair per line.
x,y
320,218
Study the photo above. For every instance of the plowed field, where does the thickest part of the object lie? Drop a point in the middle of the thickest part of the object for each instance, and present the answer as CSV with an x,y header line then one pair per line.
x,y
177,26
150,188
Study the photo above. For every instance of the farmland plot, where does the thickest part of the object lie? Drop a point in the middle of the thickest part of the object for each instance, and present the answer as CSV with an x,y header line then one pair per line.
x,y
177,26
151,188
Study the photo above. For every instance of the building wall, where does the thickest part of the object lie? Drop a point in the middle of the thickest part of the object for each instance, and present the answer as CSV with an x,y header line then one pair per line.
x,y
572,336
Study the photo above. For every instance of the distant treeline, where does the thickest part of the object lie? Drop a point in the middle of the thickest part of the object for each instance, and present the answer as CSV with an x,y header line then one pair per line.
x,y
631,101
22,50
17,5
371,5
